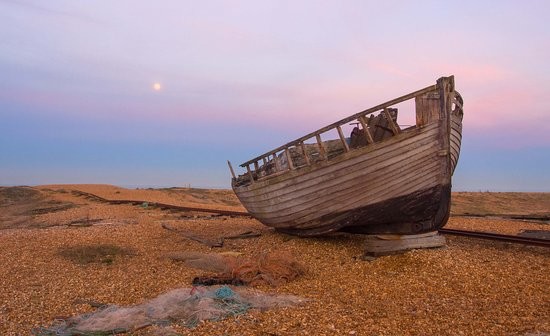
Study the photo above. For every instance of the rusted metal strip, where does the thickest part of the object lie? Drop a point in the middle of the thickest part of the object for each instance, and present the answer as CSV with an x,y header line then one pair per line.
x,y
498,237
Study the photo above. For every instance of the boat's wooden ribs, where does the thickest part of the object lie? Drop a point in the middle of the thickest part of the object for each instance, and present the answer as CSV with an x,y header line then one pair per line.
x,y
366,131
289,159
322,152
391,122
304,153
456,129
342,138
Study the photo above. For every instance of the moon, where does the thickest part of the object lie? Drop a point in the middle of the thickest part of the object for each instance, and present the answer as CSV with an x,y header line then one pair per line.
x,y
157,87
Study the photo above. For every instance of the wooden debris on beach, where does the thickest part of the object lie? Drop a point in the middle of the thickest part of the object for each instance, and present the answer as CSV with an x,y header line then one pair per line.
x,y
380,245
205,241
218,242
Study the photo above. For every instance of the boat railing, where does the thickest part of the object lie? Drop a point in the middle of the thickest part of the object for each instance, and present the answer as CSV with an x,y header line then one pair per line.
x,y
274,157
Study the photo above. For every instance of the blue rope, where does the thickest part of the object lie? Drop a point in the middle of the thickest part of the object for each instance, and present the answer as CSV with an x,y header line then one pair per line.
x,y
224,293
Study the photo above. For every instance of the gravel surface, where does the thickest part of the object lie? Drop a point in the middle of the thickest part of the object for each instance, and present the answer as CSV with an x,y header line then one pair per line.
x,y
471,287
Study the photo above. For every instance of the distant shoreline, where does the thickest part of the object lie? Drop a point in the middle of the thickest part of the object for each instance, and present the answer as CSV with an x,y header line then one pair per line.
x,y
155,186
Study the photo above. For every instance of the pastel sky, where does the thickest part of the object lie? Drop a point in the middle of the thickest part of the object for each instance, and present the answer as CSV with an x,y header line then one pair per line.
x,y
77,102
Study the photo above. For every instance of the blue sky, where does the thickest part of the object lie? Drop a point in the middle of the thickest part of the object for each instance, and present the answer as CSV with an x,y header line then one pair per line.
x,y
77,103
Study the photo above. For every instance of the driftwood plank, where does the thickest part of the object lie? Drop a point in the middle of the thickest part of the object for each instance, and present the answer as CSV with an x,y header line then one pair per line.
x,y
244,235
212,243
207,242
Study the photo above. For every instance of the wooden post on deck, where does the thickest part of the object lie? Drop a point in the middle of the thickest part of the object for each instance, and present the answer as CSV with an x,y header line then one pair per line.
x,y
303,147
322,151
393,127
427,108
277,163
343,139
366,130
250,174
289,159
231,169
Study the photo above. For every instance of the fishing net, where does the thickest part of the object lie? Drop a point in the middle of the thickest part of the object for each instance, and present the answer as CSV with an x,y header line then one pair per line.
x,y
274,268
184,306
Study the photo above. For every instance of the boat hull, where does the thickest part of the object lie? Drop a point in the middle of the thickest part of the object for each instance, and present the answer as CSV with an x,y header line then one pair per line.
x,y
401,185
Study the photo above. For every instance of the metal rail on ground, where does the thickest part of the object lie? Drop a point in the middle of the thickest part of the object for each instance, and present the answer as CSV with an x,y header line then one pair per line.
x,y
498,237
161,205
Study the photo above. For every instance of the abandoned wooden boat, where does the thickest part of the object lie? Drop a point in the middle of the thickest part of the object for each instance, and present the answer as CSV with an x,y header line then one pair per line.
x,y
382,179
